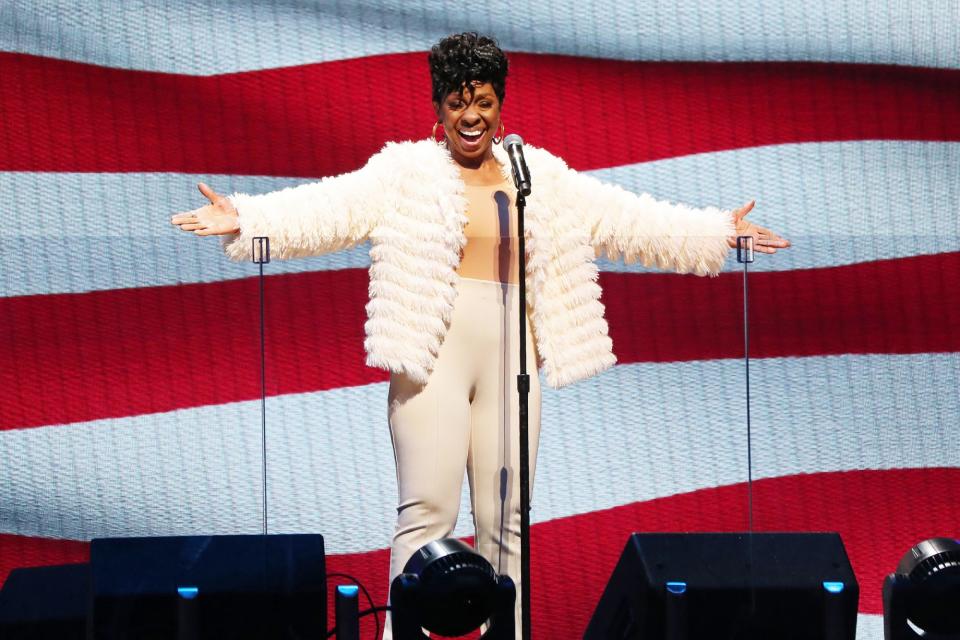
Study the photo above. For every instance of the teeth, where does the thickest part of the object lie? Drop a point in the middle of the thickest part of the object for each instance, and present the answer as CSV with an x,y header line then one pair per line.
x,y
471,134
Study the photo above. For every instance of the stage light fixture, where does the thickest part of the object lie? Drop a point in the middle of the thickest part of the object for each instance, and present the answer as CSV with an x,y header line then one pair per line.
x,y
449,589
920,599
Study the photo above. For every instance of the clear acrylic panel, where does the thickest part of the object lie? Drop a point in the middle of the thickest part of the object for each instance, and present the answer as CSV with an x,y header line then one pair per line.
x,y
131,396
329,463
859,378
853,378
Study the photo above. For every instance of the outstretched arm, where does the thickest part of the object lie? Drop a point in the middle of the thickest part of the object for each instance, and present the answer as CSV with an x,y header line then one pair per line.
x,y
310,219
674,237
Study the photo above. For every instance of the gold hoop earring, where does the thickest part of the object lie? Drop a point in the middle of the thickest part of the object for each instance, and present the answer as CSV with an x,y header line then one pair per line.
x,y
433,134
502,131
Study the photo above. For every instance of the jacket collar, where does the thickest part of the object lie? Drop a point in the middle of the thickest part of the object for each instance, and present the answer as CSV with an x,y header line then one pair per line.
x,y
501,155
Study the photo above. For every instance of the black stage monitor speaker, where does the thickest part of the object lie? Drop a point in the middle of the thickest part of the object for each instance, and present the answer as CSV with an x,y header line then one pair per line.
x,y
191,587
726,586
45,603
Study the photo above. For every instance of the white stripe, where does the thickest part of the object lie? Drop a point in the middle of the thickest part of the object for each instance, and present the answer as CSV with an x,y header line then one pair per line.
x,y
194,37
635,433
840,203
869,626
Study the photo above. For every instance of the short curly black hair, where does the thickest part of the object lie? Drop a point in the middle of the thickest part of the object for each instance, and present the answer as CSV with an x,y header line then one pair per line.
x,y
458,60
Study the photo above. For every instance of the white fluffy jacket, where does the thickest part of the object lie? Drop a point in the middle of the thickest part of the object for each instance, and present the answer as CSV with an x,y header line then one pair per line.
x,y
408,201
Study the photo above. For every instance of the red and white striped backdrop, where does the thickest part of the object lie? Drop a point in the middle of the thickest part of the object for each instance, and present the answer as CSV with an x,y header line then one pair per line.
x,y
129,373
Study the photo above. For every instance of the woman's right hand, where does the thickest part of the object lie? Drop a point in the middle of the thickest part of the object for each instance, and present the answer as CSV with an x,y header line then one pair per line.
x,y
219,218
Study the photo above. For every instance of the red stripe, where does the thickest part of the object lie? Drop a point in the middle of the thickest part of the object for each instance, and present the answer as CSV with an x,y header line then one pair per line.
x,y
906,305
876,513
20,551
78,357
324,119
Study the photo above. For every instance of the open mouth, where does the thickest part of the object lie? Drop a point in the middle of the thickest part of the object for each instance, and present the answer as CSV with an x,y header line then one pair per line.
x,y
470,138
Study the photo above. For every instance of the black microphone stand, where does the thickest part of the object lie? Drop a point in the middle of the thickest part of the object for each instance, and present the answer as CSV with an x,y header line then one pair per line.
x,y
523,389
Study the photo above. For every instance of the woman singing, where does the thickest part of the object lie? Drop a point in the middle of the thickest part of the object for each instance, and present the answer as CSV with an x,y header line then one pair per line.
x,y
440,218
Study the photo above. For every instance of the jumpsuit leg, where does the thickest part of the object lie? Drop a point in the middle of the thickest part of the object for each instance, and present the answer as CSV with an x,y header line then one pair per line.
x,y
429,428
465,417
493,464
430,432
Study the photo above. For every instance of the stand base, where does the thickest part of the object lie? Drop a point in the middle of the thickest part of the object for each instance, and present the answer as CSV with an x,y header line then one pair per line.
x,y
405,593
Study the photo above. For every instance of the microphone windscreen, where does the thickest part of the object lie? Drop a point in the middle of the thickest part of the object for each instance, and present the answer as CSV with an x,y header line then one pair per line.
x,y
511,140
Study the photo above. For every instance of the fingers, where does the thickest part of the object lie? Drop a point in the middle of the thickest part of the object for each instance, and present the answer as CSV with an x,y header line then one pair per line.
x,y
187,221
209,193
190,224
184,218
762,248
771,239
764,241
742,211
759,247
779,243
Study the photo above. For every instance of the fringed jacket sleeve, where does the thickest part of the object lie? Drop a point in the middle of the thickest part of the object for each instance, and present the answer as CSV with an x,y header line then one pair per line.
x,y
674,237
334,213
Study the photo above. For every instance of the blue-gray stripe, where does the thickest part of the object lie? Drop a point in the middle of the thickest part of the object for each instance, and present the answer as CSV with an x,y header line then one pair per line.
x,y
634,433
197,37
840,203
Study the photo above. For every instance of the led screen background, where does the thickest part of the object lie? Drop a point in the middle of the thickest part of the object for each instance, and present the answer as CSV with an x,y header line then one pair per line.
x,y
130,375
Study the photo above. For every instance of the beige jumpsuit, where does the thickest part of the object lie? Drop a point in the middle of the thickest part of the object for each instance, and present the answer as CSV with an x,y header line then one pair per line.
x,y
465,417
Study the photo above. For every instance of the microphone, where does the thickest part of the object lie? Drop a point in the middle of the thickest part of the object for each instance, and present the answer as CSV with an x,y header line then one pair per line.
x,y
521,175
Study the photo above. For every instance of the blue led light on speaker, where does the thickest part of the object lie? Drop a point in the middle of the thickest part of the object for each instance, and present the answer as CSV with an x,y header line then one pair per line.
x,y
677,587
188,593
833,587
348,590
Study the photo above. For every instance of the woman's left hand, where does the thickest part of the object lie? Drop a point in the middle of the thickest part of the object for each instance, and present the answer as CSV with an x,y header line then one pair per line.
x,y
764,240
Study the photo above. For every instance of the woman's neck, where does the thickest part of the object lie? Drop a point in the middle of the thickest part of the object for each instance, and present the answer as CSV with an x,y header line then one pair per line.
x,y
484,173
